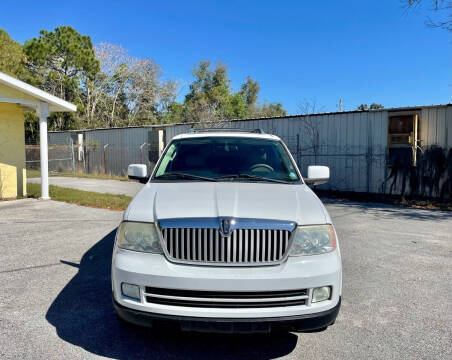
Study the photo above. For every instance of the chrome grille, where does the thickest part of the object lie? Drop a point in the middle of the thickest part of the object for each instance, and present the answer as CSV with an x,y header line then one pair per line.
x,y
241,247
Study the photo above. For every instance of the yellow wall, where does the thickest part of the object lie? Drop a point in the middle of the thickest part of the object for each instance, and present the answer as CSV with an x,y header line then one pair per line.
x,y
7,92
13,180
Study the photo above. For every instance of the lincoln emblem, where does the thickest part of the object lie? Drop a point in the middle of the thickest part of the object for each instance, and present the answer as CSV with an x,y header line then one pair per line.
x,y
225,227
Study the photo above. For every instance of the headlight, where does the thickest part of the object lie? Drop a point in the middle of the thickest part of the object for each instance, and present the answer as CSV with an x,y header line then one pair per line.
x,y
313,240
139,237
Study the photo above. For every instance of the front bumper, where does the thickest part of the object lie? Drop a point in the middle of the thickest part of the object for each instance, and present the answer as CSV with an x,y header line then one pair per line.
x,y
230,325
151,270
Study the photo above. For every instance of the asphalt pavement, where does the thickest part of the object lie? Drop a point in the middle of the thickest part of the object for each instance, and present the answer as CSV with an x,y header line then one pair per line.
x,y
55,291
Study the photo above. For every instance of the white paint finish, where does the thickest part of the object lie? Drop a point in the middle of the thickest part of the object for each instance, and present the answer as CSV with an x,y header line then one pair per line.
x,y
212,199
296,273
55,103
186,199
43,113
137,170
317,174
228,134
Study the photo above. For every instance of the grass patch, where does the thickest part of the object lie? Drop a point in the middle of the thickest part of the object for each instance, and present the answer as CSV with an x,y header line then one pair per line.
x,y
31,173
37,173
80,197
94,176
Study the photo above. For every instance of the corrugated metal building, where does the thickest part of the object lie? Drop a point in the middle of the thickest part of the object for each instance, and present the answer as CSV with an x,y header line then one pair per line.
x,y
362,148
111,150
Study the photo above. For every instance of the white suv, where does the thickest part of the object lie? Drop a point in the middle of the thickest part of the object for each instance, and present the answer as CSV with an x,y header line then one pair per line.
x,y
227,236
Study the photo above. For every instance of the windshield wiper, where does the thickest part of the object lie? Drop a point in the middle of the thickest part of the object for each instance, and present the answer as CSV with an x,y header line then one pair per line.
x,y
184,176
254,177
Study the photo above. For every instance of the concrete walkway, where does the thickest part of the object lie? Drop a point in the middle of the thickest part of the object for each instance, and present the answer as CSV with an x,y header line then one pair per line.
x,y
129,188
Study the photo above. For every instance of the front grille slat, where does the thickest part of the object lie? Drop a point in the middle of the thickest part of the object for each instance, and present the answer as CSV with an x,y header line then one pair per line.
x,y
170,232
232,246
245,251
182,243
275,234
281,243
193,244
210,242
258,240
228,252
188,245
241,247
251,257
217,244
177,242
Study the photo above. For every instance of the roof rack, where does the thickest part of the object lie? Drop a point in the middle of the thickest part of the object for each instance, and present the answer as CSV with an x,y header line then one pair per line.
x,y
255,131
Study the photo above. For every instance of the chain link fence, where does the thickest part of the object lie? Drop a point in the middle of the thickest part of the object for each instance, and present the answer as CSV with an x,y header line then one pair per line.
x,y
67,157
61,157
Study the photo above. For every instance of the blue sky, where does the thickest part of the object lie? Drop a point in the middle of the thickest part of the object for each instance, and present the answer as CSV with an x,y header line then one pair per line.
x,y
362,51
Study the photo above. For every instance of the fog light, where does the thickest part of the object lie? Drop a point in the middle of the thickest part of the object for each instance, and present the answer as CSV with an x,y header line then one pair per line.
x,y
321,294
129,290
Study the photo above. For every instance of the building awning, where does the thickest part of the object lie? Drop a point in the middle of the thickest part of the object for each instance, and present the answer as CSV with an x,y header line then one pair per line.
x,y
33,95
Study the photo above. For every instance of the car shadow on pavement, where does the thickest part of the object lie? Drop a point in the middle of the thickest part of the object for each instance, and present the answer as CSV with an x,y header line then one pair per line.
x,y
83,315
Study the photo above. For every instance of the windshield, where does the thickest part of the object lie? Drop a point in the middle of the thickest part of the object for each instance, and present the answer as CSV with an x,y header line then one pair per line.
x,y
226,159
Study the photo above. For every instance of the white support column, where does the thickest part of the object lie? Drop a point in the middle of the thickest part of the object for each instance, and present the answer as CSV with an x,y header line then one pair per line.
x,y
43,113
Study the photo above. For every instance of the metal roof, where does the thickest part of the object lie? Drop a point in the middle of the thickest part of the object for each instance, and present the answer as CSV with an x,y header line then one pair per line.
x,y
393,109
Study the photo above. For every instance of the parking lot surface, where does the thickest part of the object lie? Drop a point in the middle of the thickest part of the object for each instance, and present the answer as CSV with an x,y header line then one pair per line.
x,y
55,291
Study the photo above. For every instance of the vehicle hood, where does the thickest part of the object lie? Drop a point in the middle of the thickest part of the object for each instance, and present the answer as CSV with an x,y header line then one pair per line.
x,y
167,200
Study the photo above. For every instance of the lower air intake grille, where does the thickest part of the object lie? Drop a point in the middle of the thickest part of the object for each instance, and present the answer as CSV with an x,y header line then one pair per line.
x,y
223,299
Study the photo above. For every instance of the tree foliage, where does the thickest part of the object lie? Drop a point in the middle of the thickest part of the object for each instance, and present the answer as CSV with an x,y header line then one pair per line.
x,y
249,91
12,57
59,60
111,88
441,9
372,106
211,98
127,91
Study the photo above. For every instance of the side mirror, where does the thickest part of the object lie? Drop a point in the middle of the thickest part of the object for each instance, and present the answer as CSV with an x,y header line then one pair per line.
x,y
138,172
317,175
